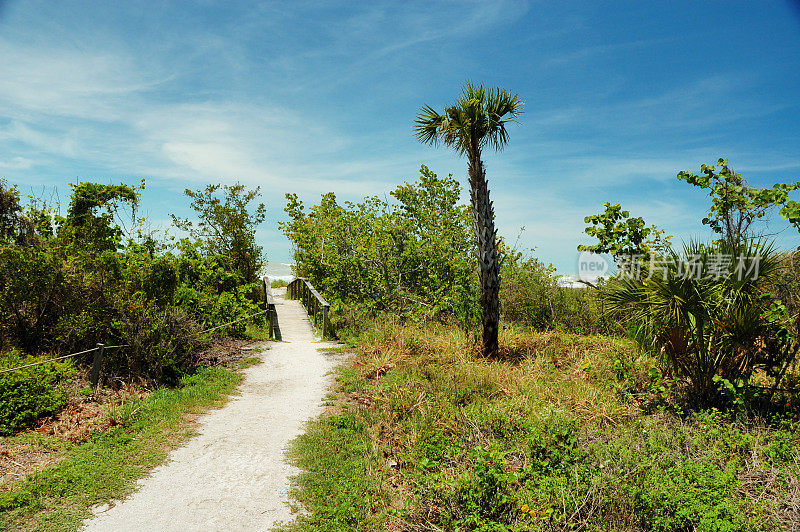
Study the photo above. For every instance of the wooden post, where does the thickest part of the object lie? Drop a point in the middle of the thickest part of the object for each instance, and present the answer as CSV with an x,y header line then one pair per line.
x,y
316,306
267,307
271,319
96,363
324,320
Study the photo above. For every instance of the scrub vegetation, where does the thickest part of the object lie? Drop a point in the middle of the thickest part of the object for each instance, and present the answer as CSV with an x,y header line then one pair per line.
x,y
642,403
96,274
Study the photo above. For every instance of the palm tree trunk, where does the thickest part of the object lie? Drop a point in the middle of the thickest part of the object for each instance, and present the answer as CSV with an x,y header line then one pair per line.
x,y
483,223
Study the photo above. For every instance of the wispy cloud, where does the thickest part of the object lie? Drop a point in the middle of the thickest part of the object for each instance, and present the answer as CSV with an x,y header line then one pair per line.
x,y
592,52
317,97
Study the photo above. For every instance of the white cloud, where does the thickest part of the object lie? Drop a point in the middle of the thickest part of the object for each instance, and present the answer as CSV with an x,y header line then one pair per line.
x,y
17,163
297,99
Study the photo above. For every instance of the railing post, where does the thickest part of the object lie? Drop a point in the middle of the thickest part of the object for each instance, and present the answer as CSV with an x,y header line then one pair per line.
x,y
96,363
324,320
270,311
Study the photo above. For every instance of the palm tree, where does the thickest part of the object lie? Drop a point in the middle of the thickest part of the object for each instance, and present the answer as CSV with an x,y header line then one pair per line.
x,y
712,322
477,118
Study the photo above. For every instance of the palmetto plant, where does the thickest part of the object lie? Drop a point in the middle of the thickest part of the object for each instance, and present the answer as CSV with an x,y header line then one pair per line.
x,y
709,322
478,118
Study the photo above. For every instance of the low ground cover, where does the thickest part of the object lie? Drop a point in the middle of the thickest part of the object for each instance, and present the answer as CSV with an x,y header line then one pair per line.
x,y
563,432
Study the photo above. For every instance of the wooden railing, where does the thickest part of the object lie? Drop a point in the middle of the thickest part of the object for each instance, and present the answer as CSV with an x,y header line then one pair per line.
x,y
315,304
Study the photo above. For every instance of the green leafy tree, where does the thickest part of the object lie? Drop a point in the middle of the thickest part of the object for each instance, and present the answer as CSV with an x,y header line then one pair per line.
x,y
735,205
31,285
14,227
92,222
622,236
478,118
227,225
408,255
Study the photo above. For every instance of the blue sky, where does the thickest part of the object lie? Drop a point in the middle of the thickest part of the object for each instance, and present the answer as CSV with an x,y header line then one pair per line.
x,y
310,97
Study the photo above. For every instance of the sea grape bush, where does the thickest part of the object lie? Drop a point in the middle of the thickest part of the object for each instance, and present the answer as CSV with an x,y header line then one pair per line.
x,y
413,254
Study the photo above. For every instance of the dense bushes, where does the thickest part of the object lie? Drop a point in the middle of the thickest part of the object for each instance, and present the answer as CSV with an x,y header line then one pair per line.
x,y
414,255
530,294
75,281
29,393
154,304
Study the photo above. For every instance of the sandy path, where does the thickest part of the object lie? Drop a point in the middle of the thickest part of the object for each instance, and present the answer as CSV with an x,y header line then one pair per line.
x,y
233,475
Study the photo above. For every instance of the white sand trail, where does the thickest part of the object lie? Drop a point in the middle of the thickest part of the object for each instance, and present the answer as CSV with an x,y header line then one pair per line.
x,y
234,475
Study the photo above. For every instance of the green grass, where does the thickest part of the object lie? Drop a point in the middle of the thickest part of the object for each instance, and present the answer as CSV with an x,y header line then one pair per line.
x,y
107,466
568,432
341,480
257,332
339,349
249,361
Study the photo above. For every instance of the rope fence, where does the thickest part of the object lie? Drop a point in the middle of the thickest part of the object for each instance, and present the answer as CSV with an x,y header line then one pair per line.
x,y
54,359
229,323
101,348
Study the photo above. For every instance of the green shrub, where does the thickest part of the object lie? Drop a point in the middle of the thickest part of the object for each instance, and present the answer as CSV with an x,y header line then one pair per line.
x,y
715,330
413,255
690,495
483,495
162,344
530,294
77,281
30,393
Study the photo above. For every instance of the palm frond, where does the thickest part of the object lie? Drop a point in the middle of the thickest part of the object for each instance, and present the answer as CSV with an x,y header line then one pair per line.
x,y
428,125
501,108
